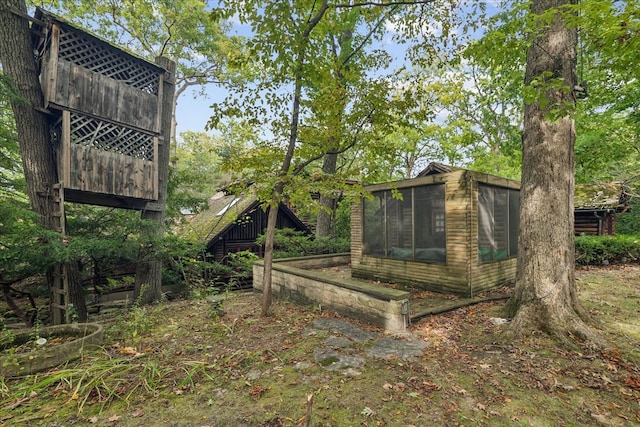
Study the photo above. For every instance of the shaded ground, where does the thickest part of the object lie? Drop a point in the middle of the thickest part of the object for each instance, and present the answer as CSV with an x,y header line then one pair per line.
x,y
182,364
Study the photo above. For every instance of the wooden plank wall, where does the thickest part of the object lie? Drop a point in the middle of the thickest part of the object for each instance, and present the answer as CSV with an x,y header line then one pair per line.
x,y
588,223
83,90
98,171
462,274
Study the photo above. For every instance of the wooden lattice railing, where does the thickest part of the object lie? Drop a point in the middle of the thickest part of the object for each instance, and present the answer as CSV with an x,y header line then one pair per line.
x,y
92,132
99,58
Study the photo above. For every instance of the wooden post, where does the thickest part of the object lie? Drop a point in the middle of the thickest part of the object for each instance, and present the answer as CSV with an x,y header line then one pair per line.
x,y
148,286
50,79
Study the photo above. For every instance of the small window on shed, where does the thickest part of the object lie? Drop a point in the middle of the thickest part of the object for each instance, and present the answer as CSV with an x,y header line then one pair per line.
x,y
399,224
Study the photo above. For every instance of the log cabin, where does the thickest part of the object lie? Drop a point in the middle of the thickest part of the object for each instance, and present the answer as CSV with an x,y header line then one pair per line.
x,y
233,223
597,206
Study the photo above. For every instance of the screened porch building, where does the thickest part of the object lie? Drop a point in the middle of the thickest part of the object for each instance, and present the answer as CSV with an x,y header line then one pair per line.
x,y
449,230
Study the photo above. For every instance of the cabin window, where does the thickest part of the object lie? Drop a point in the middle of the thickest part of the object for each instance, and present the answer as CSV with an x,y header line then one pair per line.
x,y
498,221
409,226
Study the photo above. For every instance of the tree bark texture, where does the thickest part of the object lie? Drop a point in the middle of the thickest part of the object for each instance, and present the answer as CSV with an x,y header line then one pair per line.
x,y
18,63
267,295
545,293
148,286
326,214
36,148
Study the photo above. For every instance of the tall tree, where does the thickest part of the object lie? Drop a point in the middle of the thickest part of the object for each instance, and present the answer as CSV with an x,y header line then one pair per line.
x,y
545,295
287,36
38,163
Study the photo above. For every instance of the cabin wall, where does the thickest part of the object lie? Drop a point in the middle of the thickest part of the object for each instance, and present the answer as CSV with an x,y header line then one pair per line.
x,y
594,223
242,234
450,277
486,275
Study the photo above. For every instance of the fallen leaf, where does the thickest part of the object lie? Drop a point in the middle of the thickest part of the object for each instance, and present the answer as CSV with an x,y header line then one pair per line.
x,y
130,351
137,413
113,418
632,382
93,420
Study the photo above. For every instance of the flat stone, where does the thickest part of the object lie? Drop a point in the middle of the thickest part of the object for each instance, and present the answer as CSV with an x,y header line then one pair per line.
x,y
331,360
344,328
301,366
338,342
397,347
253,375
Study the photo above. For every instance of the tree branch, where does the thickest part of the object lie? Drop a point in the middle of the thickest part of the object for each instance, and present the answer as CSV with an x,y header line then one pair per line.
x,y
382,4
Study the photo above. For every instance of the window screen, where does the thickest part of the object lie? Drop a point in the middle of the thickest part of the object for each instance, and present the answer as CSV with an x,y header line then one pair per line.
x,y
411,228
399,224
373,225
498,219
430,223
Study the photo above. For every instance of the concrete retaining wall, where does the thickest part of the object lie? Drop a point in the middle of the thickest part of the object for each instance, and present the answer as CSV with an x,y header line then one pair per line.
x,y
291,279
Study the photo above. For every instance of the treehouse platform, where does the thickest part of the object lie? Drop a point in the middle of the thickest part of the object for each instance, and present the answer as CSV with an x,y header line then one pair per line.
x,y
106,106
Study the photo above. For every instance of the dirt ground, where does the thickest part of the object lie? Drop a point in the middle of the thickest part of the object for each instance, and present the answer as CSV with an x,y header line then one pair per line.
x,y
194,363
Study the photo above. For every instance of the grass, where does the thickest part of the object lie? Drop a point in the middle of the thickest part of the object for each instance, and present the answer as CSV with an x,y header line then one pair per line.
x,y
176,364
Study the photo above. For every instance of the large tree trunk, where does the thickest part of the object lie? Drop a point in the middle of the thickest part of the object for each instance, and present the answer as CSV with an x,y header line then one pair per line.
x,y
148,286
545,294
18,63
36,150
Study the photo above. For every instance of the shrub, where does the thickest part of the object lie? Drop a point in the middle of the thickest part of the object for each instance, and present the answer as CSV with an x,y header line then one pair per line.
x,y
598,250
290,243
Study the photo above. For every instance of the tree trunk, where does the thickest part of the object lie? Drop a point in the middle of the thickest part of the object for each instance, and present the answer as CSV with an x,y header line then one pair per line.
x,y
76,292
148,286
326,214
267,295
36,149
545,294
286,163
18,63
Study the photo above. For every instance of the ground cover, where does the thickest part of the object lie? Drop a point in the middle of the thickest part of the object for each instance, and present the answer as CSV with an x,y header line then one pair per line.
x,y
185,363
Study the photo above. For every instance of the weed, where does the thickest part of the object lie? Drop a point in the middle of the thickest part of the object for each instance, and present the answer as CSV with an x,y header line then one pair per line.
x,y
7,337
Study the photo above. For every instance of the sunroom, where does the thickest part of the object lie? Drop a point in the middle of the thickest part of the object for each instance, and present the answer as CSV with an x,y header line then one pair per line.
x,y
449,230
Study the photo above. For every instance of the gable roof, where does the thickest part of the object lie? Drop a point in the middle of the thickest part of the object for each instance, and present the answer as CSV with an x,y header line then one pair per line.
x,y
609,195
224,209
434,168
